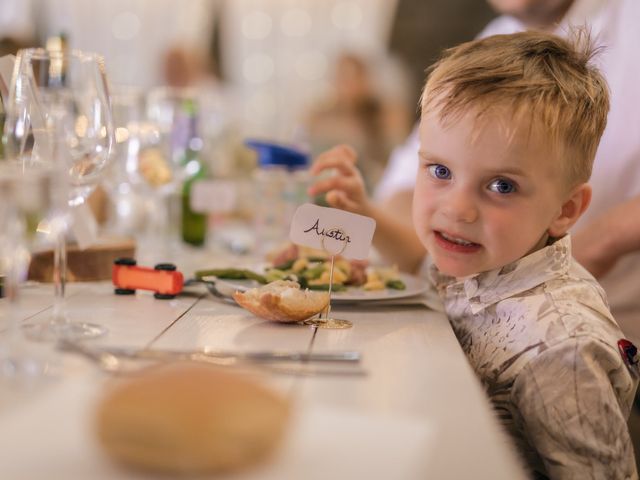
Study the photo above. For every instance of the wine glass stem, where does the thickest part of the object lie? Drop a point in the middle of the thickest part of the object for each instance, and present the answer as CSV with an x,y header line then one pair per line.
x,y
60,278
62,202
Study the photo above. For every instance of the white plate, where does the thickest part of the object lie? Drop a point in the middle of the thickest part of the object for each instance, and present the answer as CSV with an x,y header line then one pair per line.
x,y
415,286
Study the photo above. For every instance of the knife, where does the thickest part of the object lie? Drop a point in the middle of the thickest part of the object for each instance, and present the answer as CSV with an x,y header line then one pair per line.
x,y
255,356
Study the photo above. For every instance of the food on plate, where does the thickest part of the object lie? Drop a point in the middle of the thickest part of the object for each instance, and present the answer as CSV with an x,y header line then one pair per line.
x,y
312,269
384,277
282,301
189,418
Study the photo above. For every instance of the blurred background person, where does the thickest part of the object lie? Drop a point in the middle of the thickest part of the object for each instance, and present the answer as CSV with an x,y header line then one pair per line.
x,y
360,111
183,67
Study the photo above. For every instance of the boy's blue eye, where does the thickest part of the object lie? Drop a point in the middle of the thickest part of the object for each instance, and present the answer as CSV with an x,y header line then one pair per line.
x,y
502,186
439,171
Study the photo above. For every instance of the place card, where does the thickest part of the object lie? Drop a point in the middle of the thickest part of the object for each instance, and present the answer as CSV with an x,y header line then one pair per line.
x,y
336,231
213,196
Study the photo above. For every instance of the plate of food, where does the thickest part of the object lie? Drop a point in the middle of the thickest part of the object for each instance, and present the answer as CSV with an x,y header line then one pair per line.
x,y
353,280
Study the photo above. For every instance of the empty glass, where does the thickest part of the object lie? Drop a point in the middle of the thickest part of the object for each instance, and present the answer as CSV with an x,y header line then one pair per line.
x,y
58,115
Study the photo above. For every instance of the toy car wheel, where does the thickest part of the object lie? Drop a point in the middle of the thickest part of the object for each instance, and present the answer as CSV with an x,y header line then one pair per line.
x,y
165,266
124,291
163,296
130,262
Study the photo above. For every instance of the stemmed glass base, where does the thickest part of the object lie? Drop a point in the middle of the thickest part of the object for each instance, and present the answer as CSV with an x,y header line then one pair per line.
x,y
52,332
59,327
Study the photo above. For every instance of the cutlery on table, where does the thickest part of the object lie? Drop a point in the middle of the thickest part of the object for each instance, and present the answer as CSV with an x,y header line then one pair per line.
x,y
118,360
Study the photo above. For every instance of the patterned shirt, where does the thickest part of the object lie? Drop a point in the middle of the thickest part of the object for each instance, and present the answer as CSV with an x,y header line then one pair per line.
x,y
539,334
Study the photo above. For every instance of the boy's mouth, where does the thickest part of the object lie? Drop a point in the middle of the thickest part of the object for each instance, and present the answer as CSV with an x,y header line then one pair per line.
x,y
456,244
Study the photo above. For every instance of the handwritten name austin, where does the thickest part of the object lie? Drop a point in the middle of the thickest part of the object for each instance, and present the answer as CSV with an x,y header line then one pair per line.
x,y
334,233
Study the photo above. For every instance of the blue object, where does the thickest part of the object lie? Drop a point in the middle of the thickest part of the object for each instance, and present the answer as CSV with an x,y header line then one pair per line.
x,y
273,154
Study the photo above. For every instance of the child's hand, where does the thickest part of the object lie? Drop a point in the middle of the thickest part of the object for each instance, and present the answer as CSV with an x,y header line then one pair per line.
x,y
345,189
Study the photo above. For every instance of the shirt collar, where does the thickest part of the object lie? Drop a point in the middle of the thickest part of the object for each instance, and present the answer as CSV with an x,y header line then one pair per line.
x,y
487,288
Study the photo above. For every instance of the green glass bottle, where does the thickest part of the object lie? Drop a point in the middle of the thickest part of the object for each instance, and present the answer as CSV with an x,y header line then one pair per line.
x,y
194,224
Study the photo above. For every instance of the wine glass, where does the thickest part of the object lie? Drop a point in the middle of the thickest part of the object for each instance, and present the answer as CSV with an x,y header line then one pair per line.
x,y
58,114
127,214
143,177
161,167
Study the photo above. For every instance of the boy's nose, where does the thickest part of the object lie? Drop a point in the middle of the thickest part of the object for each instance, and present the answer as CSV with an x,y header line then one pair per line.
x,y
460,206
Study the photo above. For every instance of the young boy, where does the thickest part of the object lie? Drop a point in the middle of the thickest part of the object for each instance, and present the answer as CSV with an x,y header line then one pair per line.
x,y
510,125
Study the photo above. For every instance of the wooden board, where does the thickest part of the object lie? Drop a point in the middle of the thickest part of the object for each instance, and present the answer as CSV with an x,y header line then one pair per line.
x,y
91,264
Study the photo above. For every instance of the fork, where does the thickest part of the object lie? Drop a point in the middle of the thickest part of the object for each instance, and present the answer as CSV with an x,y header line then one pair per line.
x,y
213,290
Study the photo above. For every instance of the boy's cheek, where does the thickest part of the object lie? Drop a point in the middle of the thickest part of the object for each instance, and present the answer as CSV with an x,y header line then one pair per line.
x,y
420,196
421,224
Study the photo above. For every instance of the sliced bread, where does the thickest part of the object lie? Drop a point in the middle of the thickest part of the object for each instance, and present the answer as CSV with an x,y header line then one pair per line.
x,y
282,301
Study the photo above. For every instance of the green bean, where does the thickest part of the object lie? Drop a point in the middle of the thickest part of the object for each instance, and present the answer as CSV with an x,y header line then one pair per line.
x,y
395,284
313,273
273,274
318,259
231,274
285,265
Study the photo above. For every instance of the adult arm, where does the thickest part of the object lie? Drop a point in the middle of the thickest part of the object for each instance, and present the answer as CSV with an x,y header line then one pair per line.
x,y
603,241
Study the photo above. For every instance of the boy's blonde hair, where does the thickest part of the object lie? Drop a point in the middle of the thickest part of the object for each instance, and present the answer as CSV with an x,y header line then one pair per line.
x,y
543,80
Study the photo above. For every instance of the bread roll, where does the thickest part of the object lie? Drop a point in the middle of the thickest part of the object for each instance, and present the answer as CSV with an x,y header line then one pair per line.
x,y
282,301
190,418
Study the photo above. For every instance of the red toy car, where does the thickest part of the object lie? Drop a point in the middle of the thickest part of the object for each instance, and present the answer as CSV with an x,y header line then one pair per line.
x,y
163,279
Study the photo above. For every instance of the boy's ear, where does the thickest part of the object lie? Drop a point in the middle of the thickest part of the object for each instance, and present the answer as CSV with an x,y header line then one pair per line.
x,y
574,206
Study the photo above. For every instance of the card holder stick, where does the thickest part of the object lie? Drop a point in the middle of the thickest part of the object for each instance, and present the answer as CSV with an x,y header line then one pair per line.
x,y
327,321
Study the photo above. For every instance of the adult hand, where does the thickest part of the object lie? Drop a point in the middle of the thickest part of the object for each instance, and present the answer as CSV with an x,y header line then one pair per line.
x,y
589,247
344,189
605,240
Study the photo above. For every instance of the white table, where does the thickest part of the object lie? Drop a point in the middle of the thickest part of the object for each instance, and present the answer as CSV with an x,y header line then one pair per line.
x,y
418,413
